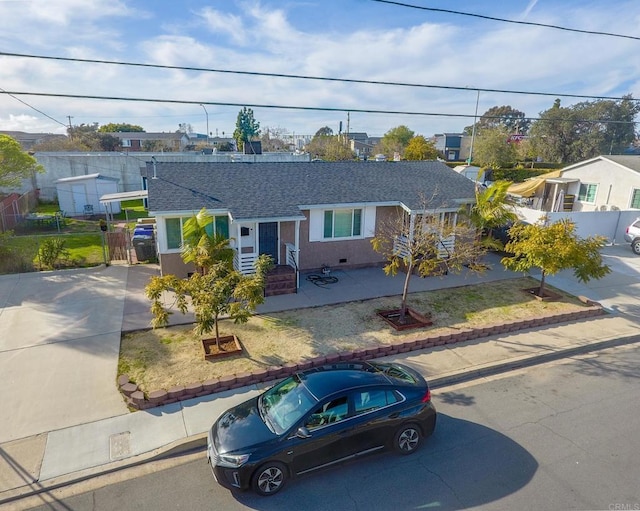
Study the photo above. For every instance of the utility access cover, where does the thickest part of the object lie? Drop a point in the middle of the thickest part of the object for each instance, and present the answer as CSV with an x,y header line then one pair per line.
x,y
119,445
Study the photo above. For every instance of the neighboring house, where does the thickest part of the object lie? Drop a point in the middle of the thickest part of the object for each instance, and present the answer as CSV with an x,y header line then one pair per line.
x,y
599,184
476,174
362,144
28,140
362,149
454,146
139,141
305,215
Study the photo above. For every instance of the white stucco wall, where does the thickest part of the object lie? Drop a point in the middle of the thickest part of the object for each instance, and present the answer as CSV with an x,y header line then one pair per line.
x,y
615,184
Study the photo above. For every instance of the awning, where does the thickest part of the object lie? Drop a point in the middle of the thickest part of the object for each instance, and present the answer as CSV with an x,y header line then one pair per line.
x,y
118,197
530,186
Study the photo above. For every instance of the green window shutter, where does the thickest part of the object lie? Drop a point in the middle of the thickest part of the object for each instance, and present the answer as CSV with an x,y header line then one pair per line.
x,y
635,199
328,224
174,232
357,222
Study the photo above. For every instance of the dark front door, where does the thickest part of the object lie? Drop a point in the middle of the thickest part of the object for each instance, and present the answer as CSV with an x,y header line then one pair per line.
x,y
268,239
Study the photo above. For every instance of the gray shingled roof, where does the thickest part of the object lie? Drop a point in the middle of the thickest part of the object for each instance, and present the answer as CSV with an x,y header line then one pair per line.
x,y
278,190
630,161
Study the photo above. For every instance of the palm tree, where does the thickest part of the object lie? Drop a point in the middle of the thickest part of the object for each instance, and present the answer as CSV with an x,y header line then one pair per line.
x,y
491,210
202,245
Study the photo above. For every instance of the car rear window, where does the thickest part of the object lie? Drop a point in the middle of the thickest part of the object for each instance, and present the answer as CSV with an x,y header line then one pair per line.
x,y
396,373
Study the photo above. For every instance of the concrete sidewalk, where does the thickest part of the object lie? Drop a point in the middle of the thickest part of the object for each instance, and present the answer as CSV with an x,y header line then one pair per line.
x,y
43,461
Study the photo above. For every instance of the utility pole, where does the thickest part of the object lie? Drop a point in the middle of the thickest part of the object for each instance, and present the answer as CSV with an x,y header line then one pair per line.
x,y
207,114
70,130
473,131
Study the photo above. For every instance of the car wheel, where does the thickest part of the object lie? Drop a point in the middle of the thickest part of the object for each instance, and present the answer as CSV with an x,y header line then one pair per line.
x,y
269,479
635,246
407,439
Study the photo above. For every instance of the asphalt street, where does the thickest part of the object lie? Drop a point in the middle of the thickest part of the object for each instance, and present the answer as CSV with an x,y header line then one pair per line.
x,y
560,436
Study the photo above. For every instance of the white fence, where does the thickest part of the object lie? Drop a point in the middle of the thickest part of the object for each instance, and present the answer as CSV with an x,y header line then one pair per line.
x,y
610,224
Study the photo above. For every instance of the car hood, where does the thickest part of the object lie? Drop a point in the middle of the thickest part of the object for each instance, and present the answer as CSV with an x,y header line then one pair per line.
x,y
241,429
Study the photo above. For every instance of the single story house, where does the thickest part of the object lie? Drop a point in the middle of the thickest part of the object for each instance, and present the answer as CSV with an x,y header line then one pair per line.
x,y
305,215
602,183
143,141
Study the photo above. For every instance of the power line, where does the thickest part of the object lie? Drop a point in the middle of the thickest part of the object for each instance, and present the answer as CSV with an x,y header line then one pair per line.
x,y
307,77
32,107
290,107
491,18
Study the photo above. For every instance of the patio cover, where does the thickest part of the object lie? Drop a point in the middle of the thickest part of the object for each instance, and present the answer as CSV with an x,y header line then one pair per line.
x,y
530,186
117,197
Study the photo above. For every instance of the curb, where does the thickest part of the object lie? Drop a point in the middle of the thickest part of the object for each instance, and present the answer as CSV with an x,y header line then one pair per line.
x,y
176,448
522,362
198,442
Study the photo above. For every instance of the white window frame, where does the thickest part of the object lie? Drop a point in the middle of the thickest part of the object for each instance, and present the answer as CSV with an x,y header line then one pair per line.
x,y
588,186
316,222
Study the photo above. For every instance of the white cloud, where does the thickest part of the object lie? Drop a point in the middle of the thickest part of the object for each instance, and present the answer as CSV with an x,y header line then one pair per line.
x,y
227,24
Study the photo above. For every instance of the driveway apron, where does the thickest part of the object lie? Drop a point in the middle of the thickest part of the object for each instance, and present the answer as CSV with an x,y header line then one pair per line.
x,y
59,344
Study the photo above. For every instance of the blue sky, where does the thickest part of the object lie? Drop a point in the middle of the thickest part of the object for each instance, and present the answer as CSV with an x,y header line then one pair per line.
x,y
350,39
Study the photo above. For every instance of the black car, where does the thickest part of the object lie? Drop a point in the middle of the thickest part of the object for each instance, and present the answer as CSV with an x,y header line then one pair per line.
x,y
317,418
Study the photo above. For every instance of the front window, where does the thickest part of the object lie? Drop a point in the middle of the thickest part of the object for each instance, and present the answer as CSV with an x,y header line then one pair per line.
x,y
342,223
285,404
587,192
219,225
635,199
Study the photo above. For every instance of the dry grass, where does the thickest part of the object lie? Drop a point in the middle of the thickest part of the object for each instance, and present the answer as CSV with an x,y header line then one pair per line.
x,y
162,358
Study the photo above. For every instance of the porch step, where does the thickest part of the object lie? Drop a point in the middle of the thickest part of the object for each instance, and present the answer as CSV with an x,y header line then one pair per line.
x,y
280,281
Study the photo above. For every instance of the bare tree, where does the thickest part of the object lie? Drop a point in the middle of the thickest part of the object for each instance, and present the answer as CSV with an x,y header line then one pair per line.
x,y
431,240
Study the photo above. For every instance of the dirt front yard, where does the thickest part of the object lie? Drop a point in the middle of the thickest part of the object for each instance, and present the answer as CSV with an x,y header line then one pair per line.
x,y
165,357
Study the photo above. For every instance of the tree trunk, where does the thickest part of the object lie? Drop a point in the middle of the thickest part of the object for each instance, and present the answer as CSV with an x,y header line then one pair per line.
x,y
541,290
217,332
405,292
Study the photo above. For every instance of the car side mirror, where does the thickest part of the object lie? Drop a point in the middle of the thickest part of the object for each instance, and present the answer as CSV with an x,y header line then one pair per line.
x,y
303,433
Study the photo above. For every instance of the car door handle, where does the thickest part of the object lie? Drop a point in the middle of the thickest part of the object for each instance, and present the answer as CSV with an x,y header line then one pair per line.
x,y
394,415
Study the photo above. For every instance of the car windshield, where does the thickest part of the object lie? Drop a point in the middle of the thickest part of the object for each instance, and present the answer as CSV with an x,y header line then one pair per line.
x,y
285,404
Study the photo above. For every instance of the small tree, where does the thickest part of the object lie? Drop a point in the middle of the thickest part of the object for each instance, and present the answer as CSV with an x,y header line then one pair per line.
x,y
419,148
552,248
491,148
214,291
15,164
418,242
491,210
247,128
394,141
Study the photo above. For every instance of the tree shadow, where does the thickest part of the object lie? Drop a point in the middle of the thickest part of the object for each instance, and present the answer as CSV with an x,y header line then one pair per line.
x,y
456,398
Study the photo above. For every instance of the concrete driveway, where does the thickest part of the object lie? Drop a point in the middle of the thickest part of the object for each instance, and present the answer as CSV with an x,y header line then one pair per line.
x,y
619,291
59,344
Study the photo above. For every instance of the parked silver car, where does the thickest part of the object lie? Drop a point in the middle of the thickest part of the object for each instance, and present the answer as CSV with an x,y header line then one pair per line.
x,y
632,235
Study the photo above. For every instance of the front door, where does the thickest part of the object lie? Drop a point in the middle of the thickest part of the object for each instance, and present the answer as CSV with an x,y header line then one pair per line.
x,y
268,240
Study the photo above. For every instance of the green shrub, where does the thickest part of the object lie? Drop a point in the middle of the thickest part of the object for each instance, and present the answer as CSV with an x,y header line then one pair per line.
x,y
51,251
